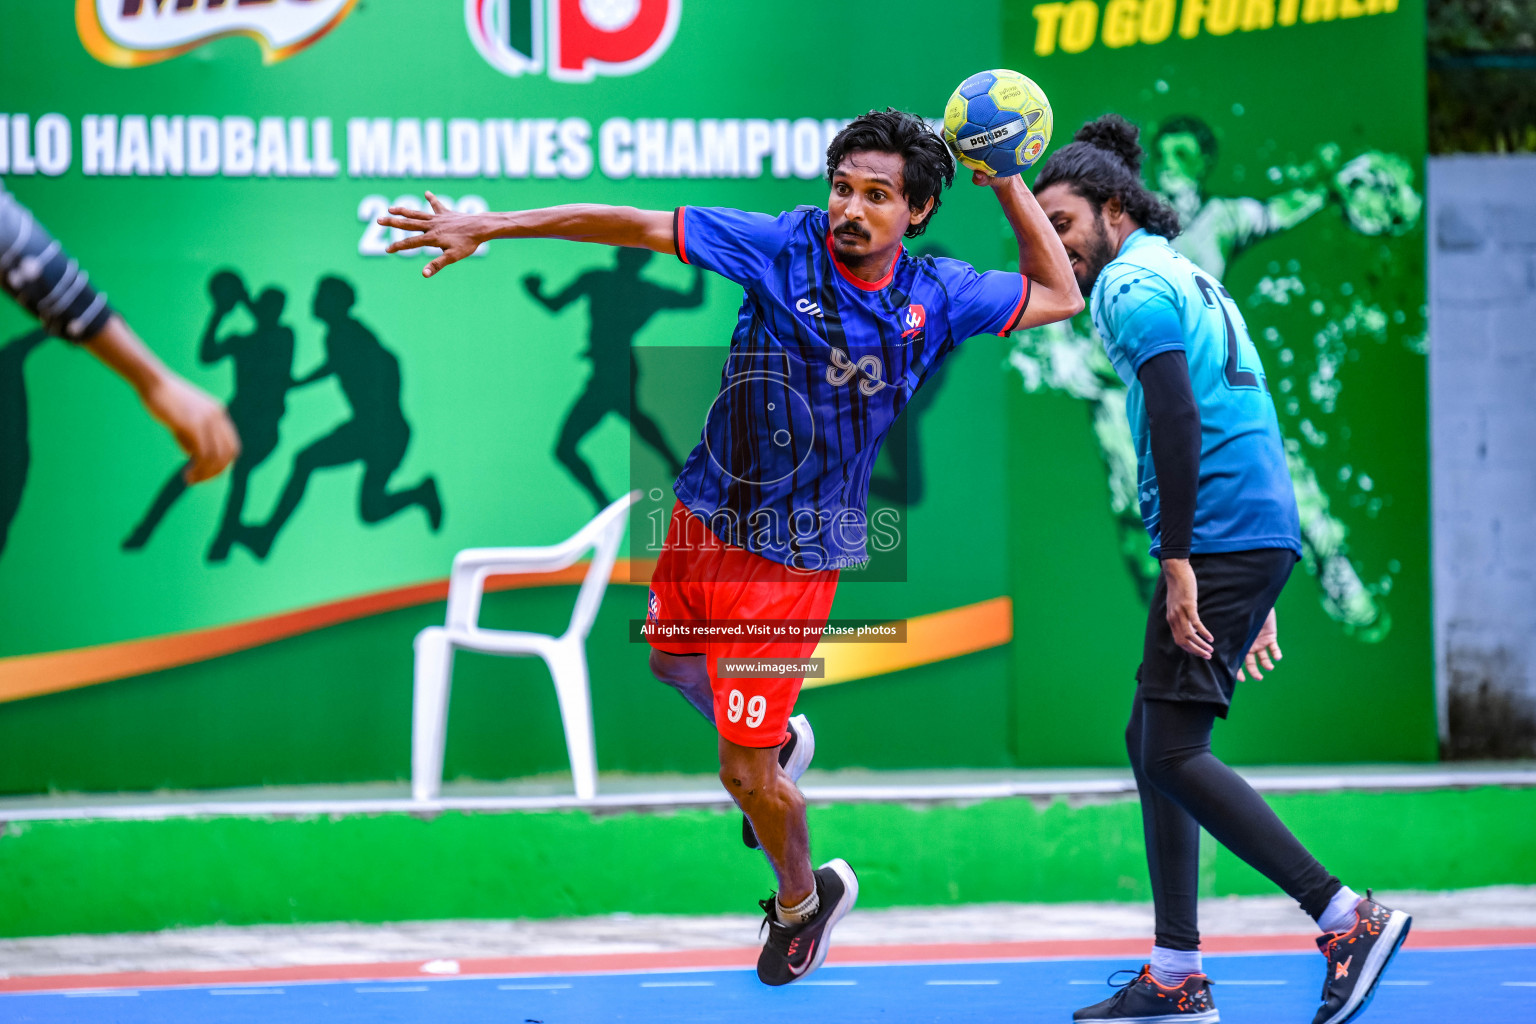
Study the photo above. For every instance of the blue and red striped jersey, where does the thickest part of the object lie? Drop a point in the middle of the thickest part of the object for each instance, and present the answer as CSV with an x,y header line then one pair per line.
x,y
820,365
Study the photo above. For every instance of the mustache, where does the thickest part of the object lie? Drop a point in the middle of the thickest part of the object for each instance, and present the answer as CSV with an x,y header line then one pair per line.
x,y
851,229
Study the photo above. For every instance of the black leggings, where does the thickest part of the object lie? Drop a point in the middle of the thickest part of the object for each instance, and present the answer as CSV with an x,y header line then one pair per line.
x,y
1183,788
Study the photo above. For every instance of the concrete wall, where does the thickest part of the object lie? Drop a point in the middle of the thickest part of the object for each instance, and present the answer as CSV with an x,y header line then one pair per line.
x,y
1482,285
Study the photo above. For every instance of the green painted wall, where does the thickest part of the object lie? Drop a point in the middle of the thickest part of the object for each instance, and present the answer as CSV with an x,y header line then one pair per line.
x,y
103,876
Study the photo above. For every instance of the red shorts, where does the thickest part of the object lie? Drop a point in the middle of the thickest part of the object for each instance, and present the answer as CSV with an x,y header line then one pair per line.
x,y
700,578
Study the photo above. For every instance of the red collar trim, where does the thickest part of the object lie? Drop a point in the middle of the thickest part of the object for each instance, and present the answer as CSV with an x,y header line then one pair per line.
x,y
859,282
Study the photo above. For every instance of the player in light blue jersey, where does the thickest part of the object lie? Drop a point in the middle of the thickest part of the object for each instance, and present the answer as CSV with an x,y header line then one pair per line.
x,y
1218,506
1151,300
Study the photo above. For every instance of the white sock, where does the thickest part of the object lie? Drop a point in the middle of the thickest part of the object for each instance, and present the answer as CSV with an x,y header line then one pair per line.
x,y
801,913
1171,967
1340,915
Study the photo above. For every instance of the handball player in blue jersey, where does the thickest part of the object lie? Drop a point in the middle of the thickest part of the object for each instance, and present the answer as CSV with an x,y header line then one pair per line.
x,y
1217,503
838,328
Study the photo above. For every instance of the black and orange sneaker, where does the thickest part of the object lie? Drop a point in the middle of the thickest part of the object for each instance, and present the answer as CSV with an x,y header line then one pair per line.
x,y
794,757
795,950
1144,1000
1357,958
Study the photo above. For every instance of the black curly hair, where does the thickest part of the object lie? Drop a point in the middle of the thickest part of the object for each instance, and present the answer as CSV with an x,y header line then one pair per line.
x,y
1104,161
927,168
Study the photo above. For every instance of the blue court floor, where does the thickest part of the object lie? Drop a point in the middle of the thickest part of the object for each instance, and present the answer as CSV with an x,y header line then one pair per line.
x,y
1488,986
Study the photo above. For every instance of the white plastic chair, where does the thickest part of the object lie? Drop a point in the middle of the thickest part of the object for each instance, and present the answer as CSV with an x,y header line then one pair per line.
x,y
566,654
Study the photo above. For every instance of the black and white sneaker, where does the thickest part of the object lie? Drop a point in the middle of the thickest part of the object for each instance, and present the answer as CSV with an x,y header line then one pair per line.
x,y
795,950
1145,1000
794,757
1357,958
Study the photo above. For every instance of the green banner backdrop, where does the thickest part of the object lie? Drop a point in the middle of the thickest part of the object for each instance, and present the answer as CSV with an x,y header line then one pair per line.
x,y
216,168
1290,137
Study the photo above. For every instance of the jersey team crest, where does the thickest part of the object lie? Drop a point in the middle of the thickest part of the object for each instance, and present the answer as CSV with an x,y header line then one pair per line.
x,y
913,321
133,33
574,40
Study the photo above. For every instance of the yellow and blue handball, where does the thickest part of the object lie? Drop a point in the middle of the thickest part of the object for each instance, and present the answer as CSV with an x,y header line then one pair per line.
x,y
998,122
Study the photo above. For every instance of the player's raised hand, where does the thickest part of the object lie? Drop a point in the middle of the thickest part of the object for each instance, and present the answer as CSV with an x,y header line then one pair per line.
x,y
441,228
1183,609
1265,650
1004,181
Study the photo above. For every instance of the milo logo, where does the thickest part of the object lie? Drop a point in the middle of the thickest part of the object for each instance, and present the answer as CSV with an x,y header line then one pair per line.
x,y
133,33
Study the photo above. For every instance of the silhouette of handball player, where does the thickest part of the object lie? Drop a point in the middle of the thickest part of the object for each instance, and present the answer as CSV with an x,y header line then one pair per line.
x,y
376,435
15,444
263,374
620,302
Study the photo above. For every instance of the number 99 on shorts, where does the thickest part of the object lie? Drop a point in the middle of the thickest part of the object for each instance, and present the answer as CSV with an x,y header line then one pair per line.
x,y
736,703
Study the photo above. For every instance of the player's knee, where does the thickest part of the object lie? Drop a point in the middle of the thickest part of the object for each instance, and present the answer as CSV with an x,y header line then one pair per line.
x,y
740,781
661,666
756,790
753,781
675,671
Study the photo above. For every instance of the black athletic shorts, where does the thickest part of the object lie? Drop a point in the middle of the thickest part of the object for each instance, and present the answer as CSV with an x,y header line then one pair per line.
x,y
1236,591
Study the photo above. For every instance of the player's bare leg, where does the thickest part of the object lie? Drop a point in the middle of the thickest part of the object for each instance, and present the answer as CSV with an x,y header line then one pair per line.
x,y
809,904
776,809
689,676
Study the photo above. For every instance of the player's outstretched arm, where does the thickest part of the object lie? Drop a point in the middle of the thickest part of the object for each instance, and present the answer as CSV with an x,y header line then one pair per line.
x,y
460,234
1043,259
